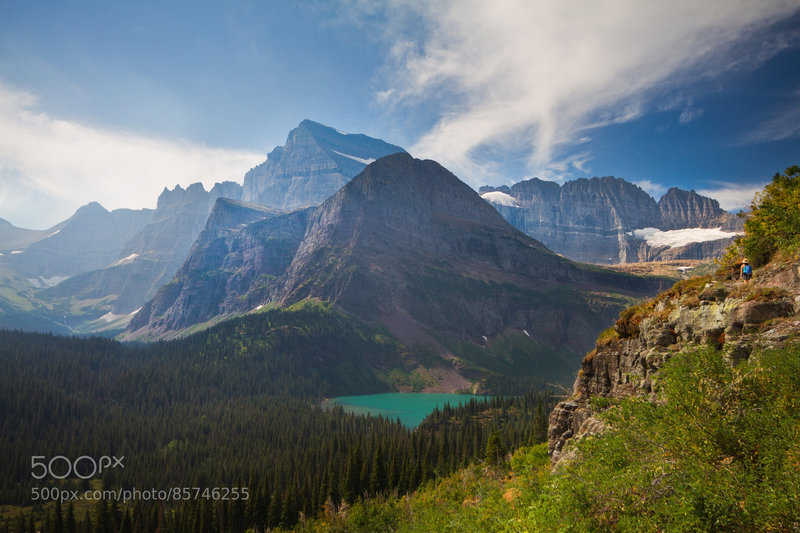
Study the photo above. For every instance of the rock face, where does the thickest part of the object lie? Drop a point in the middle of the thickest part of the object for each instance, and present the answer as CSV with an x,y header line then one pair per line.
x,y
315,162
696,312
152,255
681,209
592,220
408,245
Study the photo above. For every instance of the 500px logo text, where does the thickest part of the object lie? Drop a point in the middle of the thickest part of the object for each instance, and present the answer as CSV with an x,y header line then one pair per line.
x,y
84,467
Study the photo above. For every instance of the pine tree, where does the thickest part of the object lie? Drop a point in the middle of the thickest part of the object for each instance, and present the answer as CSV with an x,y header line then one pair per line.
x,y
377,478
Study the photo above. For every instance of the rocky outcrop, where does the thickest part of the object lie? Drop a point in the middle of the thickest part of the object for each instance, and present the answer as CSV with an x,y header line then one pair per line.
x,y
407,245
732,316
593,220
315,162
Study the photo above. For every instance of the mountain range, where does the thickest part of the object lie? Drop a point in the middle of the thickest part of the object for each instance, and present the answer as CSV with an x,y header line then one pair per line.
x,y
405,245
93,271
609,220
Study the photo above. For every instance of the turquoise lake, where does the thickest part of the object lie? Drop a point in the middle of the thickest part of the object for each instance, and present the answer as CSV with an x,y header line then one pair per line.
x,y
409,407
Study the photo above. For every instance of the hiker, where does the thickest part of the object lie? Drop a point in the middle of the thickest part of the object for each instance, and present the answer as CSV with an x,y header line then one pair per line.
x,y
745,271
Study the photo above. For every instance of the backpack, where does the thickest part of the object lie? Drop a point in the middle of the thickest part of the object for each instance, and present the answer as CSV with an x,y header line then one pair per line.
x,y
747,270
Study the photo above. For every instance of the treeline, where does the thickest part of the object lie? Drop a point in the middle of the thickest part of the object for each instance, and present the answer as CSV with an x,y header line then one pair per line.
x,y
230,408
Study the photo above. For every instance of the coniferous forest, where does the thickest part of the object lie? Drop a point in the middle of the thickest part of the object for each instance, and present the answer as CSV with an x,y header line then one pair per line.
x,y
227,423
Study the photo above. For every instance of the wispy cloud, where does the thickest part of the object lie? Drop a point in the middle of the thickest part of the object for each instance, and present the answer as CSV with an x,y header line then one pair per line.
x,y
536,75
656,190
67,164
733,197
785,125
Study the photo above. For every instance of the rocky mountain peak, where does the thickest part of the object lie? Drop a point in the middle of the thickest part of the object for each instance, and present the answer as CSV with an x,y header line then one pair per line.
x,y
315,162
407,245
687,209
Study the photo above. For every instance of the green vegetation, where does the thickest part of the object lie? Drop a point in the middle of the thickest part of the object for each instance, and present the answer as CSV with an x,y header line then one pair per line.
x,y
721,453
233,406
772,227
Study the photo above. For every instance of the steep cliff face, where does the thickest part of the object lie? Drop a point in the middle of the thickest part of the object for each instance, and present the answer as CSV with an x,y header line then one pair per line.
x,y
407,245
680,209
733,316
315,162
593,220
229,270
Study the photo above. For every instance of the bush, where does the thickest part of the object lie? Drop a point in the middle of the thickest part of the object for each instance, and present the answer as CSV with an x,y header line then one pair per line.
x,y
774,222
721,453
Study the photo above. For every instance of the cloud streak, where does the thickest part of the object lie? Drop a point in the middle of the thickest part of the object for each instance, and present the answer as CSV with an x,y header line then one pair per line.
x,y
49,162
535,76
733,197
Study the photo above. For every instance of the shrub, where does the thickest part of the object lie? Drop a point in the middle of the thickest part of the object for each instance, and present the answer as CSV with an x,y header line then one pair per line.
x,y
774,221
721,453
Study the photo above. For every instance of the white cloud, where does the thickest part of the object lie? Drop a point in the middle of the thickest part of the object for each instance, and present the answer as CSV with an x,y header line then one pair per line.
x,y
500,198
536,75
733,197
49,166
656,190
776,128
690,114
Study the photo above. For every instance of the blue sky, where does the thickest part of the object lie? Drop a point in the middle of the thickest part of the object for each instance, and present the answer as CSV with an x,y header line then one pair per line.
x,y
113,101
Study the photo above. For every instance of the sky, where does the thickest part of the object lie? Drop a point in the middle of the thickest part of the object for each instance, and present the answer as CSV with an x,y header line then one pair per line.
x,y
113,101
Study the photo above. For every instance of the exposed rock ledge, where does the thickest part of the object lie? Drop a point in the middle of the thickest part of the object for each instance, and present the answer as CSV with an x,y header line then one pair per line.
x,y
734,316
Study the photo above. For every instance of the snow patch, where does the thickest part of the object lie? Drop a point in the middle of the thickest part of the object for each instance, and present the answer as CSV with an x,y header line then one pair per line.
x,y
16,252
257,308
500,198
525,331
354,158
680,237
135,312
125,260
41,282
484,338
56,232
110,317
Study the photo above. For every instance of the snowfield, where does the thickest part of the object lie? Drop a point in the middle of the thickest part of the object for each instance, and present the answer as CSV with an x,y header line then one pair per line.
x,y
680,237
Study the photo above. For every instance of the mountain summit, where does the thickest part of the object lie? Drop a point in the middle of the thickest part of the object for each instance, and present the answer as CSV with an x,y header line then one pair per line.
x,y
315,162
407,245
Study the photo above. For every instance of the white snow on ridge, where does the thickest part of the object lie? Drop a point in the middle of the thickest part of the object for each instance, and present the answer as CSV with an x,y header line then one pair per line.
x,y
500,198
56,232
42,282
110,317
125,260
680,237
15,252
354,158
